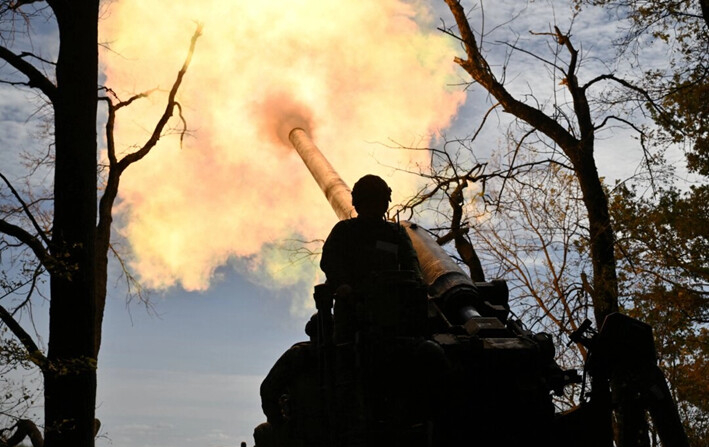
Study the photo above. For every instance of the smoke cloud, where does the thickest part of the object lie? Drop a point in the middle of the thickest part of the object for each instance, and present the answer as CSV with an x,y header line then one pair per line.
x,y
357,74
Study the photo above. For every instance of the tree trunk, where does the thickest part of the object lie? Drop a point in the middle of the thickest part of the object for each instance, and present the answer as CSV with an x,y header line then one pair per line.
x,y
70,379
605,281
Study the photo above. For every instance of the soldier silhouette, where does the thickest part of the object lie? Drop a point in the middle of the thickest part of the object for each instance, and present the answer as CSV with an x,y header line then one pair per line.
x,y
290,398
359,249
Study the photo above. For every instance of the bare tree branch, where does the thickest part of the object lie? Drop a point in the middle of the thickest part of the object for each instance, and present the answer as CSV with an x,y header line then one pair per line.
x,y
529,53
35,78
26,209
34,353
19,3
630,86
34,56
33,286
462,244
24,428
134,287
31,241
169,109
484,120
518,145
117,167
476,65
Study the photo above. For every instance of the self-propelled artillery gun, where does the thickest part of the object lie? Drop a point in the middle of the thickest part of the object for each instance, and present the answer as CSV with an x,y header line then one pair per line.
x,y
442,364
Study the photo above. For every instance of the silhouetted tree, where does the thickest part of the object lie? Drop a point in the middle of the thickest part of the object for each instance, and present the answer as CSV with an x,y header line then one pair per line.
x,y
74,249
577,144
572,130
661,225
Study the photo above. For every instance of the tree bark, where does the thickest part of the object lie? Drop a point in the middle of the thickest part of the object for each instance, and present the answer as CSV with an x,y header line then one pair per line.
x,y
463,246
704,5
605,281
76,257
70,377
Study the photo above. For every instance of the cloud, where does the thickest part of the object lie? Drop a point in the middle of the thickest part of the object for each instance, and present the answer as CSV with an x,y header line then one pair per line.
x,y
356,73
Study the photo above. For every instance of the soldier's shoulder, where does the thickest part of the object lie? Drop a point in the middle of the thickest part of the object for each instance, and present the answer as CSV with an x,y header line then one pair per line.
x,y
301,345
343,224
295,352
340,228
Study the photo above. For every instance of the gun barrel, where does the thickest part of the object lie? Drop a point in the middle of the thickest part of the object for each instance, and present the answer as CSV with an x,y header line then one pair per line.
x,y
336,190
445,279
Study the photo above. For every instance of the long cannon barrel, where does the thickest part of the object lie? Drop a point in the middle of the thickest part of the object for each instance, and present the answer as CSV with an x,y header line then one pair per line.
x,y
446,281
336,190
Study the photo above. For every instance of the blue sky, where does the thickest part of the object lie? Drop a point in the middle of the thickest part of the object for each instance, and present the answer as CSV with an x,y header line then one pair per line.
x,y
191,371
186,373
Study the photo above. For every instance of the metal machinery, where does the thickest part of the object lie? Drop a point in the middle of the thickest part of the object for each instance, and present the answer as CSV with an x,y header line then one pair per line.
x,y
444,365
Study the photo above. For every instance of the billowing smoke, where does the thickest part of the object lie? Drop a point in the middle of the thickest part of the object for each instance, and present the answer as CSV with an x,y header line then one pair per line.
x,y
359,75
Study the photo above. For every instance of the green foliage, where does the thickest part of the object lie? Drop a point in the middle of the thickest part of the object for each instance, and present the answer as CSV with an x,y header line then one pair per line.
x,y
685,117
666,238
663,251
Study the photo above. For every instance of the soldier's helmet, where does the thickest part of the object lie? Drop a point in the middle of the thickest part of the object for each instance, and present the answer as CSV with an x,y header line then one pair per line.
x,y
371,191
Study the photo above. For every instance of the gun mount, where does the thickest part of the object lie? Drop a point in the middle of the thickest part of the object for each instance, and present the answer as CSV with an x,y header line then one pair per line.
x,y
443,365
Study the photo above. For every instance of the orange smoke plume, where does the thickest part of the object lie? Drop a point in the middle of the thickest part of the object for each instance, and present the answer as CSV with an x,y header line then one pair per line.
x,y
354,73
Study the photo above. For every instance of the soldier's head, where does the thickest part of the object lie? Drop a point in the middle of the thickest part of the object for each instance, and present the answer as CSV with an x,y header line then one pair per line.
x,y
371,196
